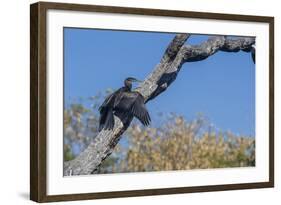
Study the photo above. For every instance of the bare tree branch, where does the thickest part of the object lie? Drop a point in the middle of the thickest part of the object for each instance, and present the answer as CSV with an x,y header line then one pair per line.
x,y
157,82
215,44
189,53
104,143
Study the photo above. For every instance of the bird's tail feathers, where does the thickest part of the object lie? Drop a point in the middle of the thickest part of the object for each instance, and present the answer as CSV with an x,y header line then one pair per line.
x,y
109,122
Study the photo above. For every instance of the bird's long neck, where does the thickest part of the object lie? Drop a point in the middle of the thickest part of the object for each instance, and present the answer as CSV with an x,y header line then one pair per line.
x,y
128,87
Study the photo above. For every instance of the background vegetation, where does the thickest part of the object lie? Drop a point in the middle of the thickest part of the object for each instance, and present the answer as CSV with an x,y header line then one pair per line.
x,y
176,144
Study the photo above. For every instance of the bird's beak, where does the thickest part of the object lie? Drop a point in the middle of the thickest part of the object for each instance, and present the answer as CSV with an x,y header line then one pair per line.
x,y
136,80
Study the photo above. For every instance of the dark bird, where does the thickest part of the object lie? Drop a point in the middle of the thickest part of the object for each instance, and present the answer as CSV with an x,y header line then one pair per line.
x,y
123,102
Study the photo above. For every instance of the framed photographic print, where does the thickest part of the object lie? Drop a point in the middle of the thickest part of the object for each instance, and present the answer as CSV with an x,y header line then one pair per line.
x,y
134,102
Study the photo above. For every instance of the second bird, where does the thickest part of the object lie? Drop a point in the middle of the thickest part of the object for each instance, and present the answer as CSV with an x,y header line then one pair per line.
x,y
126,103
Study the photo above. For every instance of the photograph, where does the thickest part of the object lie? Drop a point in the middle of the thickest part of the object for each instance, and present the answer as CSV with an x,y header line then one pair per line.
x,y
132,102
141,101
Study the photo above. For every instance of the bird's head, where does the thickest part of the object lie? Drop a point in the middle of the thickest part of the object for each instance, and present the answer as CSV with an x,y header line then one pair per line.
x,y
129,81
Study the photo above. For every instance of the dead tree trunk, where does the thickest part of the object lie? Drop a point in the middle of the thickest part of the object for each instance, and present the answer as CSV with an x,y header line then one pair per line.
x,y
157,82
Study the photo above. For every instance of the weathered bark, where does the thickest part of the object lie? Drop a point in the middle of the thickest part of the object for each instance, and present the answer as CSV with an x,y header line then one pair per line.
x,y
157,82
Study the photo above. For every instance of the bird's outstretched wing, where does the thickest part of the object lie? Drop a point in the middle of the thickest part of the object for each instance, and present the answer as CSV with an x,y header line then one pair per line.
x,y
139,110
132,103
125,100
106,120
109,121
108,100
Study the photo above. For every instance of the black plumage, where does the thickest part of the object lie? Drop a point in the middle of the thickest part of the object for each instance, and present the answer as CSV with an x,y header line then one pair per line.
x,y
123,102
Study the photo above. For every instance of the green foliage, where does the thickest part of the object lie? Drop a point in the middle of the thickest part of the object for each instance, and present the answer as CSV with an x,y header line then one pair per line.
x,y
176,145
68,155
80,126
181,145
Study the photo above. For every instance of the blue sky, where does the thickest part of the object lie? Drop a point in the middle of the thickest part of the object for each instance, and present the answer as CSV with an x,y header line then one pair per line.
x,y
221,87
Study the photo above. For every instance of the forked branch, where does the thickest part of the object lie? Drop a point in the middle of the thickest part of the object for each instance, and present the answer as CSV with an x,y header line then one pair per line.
x,y
176,54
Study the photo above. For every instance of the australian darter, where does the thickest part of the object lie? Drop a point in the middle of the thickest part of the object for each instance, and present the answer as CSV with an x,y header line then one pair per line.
x,y
124,102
